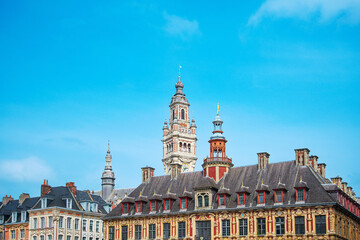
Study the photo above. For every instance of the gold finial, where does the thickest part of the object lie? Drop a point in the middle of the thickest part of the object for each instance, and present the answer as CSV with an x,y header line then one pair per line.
x,y
279,180
218,109
185,189
262,181
126,195
242,183
179,69
154,192
223,185
300,178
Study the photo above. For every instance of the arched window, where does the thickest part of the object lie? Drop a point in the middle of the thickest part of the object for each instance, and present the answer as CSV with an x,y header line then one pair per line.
x,y
189,147
180,146
200,203
173,115
206,200
182,114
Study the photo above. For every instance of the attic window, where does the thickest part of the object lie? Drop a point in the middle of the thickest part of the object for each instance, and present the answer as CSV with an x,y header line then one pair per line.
x,y
279,195
23,216
138,207
222,200
125,208
183,203
261,198
153,206
241,199
300,194
203,200
14,217
69,203
44,203
167,204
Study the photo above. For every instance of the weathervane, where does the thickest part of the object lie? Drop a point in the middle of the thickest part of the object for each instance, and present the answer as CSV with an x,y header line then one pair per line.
x,y
218,109
179,69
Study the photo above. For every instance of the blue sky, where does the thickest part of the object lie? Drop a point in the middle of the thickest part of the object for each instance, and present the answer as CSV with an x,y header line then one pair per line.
x,y
75,74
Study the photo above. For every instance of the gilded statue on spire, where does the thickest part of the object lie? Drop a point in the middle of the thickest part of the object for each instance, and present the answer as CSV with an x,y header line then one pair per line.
x,y
218,109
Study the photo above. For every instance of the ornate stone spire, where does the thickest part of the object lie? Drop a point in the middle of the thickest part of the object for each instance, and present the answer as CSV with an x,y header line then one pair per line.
x,y
108,176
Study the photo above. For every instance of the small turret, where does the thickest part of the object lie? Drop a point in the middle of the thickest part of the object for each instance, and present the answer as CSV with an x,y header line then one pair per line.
x,y
165,128
108,176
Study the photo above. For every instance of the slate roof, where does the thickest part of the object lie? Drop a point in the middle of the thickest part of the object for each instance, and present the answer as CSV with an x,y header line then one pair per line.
x,y
57,198
116,195
251,178
15,206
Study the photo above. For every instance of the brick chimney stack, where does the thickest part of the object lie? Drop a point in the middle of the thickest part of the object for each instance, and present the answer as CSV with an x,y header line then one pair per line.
x,y
337,181
302,156
45,188
147,173
321,169
175,170
23,197
263,160
313,161
7,199
344,187
72,187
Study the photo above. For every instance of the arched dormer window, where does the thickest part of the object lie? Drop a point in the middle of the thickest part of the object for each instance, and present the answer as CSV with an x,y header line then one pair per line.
x,y
203,200
182,114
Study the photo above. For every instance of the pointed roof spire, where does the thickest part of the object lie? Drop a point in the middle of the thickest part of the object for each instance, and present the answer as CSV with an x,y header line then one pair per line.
x,y
108,151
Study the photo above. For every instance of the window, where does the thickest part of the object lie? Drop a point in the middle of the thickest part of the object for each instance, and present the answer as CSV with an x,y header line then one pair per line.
x,y
111,233
1,236
226,228
182,114
137,232
124,232
300,195
280,225
97,226
299,225
203,200
183,203
34,238
35,223
42,222
44,203
84,225
167,204
243,227
166,232
153,206
76,238
278,196
241,199
23,216
261,197
76,224
320,221
125,207
12,236
261,226
42,237
14,217
69,203
189,147
50,221
49,237
138,207
203,229
91,225
152,231
61,222
173,114
22,233
84,238
181,229
67,238
1,220
221,200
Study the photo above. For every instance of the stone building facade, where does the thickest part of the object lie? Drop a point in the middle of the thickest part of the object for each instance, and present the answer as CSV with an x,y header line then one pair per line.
x,y
284,200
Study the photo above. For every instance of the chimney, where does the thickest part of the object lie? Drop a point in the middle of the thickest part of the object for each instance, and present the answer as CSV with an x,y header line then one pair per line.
x,y
23,197
321,169
302,156
313,161
72,187
45,188
7,199
344,187
350,192
263,160
147,173
337,181
175,170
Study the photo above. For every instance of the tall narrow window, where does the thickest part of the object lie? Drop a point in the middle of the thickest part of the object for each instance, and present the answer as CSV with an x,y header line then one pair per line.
x,y
42,237
183,203
22,233
1,236
67,237
152,206
261,197
243,227
166,232
261,226
61,222
222,200
43,203
320,221
49,237
12,234
200,201
226,228
124,232
189,148
91,226
182,114
300,194
84,225
167,204
278,196
182,230
125,207
241,199
42,222
14,217
68,203
137,232
280,225
299,225
97,226
152,231
68,223
206,200
35,223
111,233
50,221
76,224
23,216
173,114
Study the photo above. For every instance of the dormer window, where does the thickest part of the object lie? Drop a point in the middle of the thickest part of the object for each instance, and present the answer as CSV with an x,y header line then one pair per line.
x,y
14,217
300,194
69,203
153,207
93,207
125,208
241,199
23,216
261,197
44,203
203,200
138,207
183,203
222,200
279,196
167,204
1,219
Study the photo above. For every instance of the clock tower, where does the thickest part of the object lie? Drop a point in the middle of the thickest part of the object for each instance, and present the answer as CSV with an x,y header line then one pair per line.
x,y
179,136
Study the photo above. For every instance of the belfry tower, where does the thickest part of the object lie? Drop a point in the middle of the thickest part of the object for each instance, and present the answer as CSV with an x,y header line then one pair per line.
x,y
179,138
218,163
108,177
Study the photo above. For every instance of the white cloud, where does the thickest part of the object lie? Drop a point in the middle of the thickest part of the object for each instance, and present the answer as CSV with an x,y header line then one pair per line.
x,y
181,27
345,11
28,169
